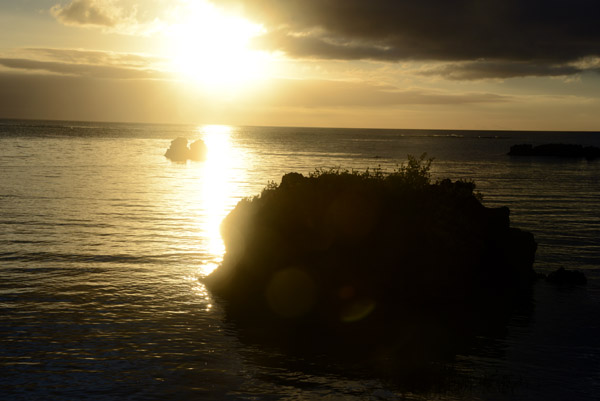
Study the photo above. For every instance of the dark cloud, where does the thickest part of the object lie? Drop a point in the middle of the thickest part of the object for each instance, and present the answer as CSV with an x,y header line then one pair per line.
x,y
83,70
527,31
501,69
310,46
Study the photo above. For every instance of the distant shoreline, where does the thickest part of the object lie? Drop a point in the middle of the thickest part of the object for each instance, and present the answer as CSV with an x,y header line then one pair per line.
x,y
191,124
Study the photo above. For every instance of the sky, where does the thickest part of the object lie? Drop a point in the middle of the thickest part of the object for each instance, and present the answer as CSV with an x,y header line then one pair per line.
x,y
413,64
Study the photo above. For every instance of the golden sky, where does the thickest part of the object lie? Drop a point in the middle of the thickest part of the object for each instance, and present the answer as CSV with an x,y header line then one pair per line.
x,y
464,64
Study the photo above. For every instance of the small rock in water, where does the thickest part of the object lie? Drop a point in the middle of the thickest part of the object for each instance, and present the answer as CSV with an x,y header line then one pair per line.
x,y
180,152
567,277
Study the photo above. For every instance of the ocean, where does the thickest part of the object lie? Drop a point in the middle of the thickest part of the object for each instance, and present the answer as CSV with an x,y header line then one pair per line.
x,y
104,241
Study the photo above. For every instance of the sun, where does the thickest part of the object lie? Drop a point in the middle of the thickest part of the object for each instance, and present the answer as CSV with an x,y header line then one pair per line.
x,y
210,48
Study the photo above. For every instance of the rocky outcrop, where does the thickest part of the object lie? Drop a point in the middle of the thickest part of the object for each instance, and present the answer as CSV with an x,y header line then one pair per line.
x,y
556,150
337,248
180,152
563,276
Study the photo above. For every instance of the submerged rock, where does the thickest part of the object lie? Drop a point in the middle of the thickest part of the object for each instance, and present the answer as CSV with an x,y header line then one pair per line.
x,y
339,248
179,150
556,150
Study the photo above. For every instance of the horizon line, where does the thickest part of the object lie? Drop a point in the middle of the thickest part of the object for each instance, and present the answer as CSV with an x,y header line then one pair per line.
x,y
291,126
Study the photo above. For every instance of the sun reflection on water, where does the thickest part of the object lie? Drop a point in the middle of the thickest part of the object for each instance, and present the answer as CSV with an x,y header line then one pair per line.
x,y
218,188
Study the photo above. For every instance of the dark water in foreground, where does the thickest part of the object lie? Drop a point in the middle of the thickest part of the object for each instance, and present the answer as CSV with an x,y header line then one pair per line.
x,y
103,242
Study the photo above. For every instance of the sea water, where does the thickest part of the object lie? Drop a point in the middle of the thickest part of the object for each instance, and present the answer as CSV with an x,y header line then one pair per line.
x,y
103,242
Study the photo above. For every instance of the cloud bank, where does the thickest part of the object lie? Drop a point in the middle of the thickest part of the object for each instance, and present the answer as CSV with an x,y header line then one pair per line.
x,y
85,63
133,17
319,93
550,33
88,70
483,69
89,12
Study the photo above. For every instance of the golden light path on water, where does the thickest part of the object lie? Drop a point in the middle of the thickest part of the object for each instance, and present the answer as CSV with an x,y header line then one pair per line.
x,y
217,188
212,189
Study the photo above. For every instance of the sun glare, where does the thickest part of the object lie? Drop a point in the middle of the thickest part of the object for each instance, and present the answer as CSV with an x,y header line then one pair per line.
x,y
218,186
210,48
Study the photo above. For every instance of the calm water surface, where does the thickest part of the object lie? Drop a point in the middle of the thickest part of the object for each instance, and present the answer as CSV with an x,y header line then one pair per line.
x,y
103,242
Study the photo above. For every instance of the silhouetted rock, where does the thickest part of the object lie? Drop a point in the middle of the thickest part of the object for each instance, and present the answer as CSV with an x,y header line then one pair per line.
x,y
340,249
179,150
567,277
555,150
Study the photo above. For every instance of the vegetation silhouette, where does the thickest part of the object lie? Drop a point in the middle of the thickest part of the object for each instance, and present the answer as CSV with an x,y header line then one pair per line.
x,y
180,152
380,266
556,150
